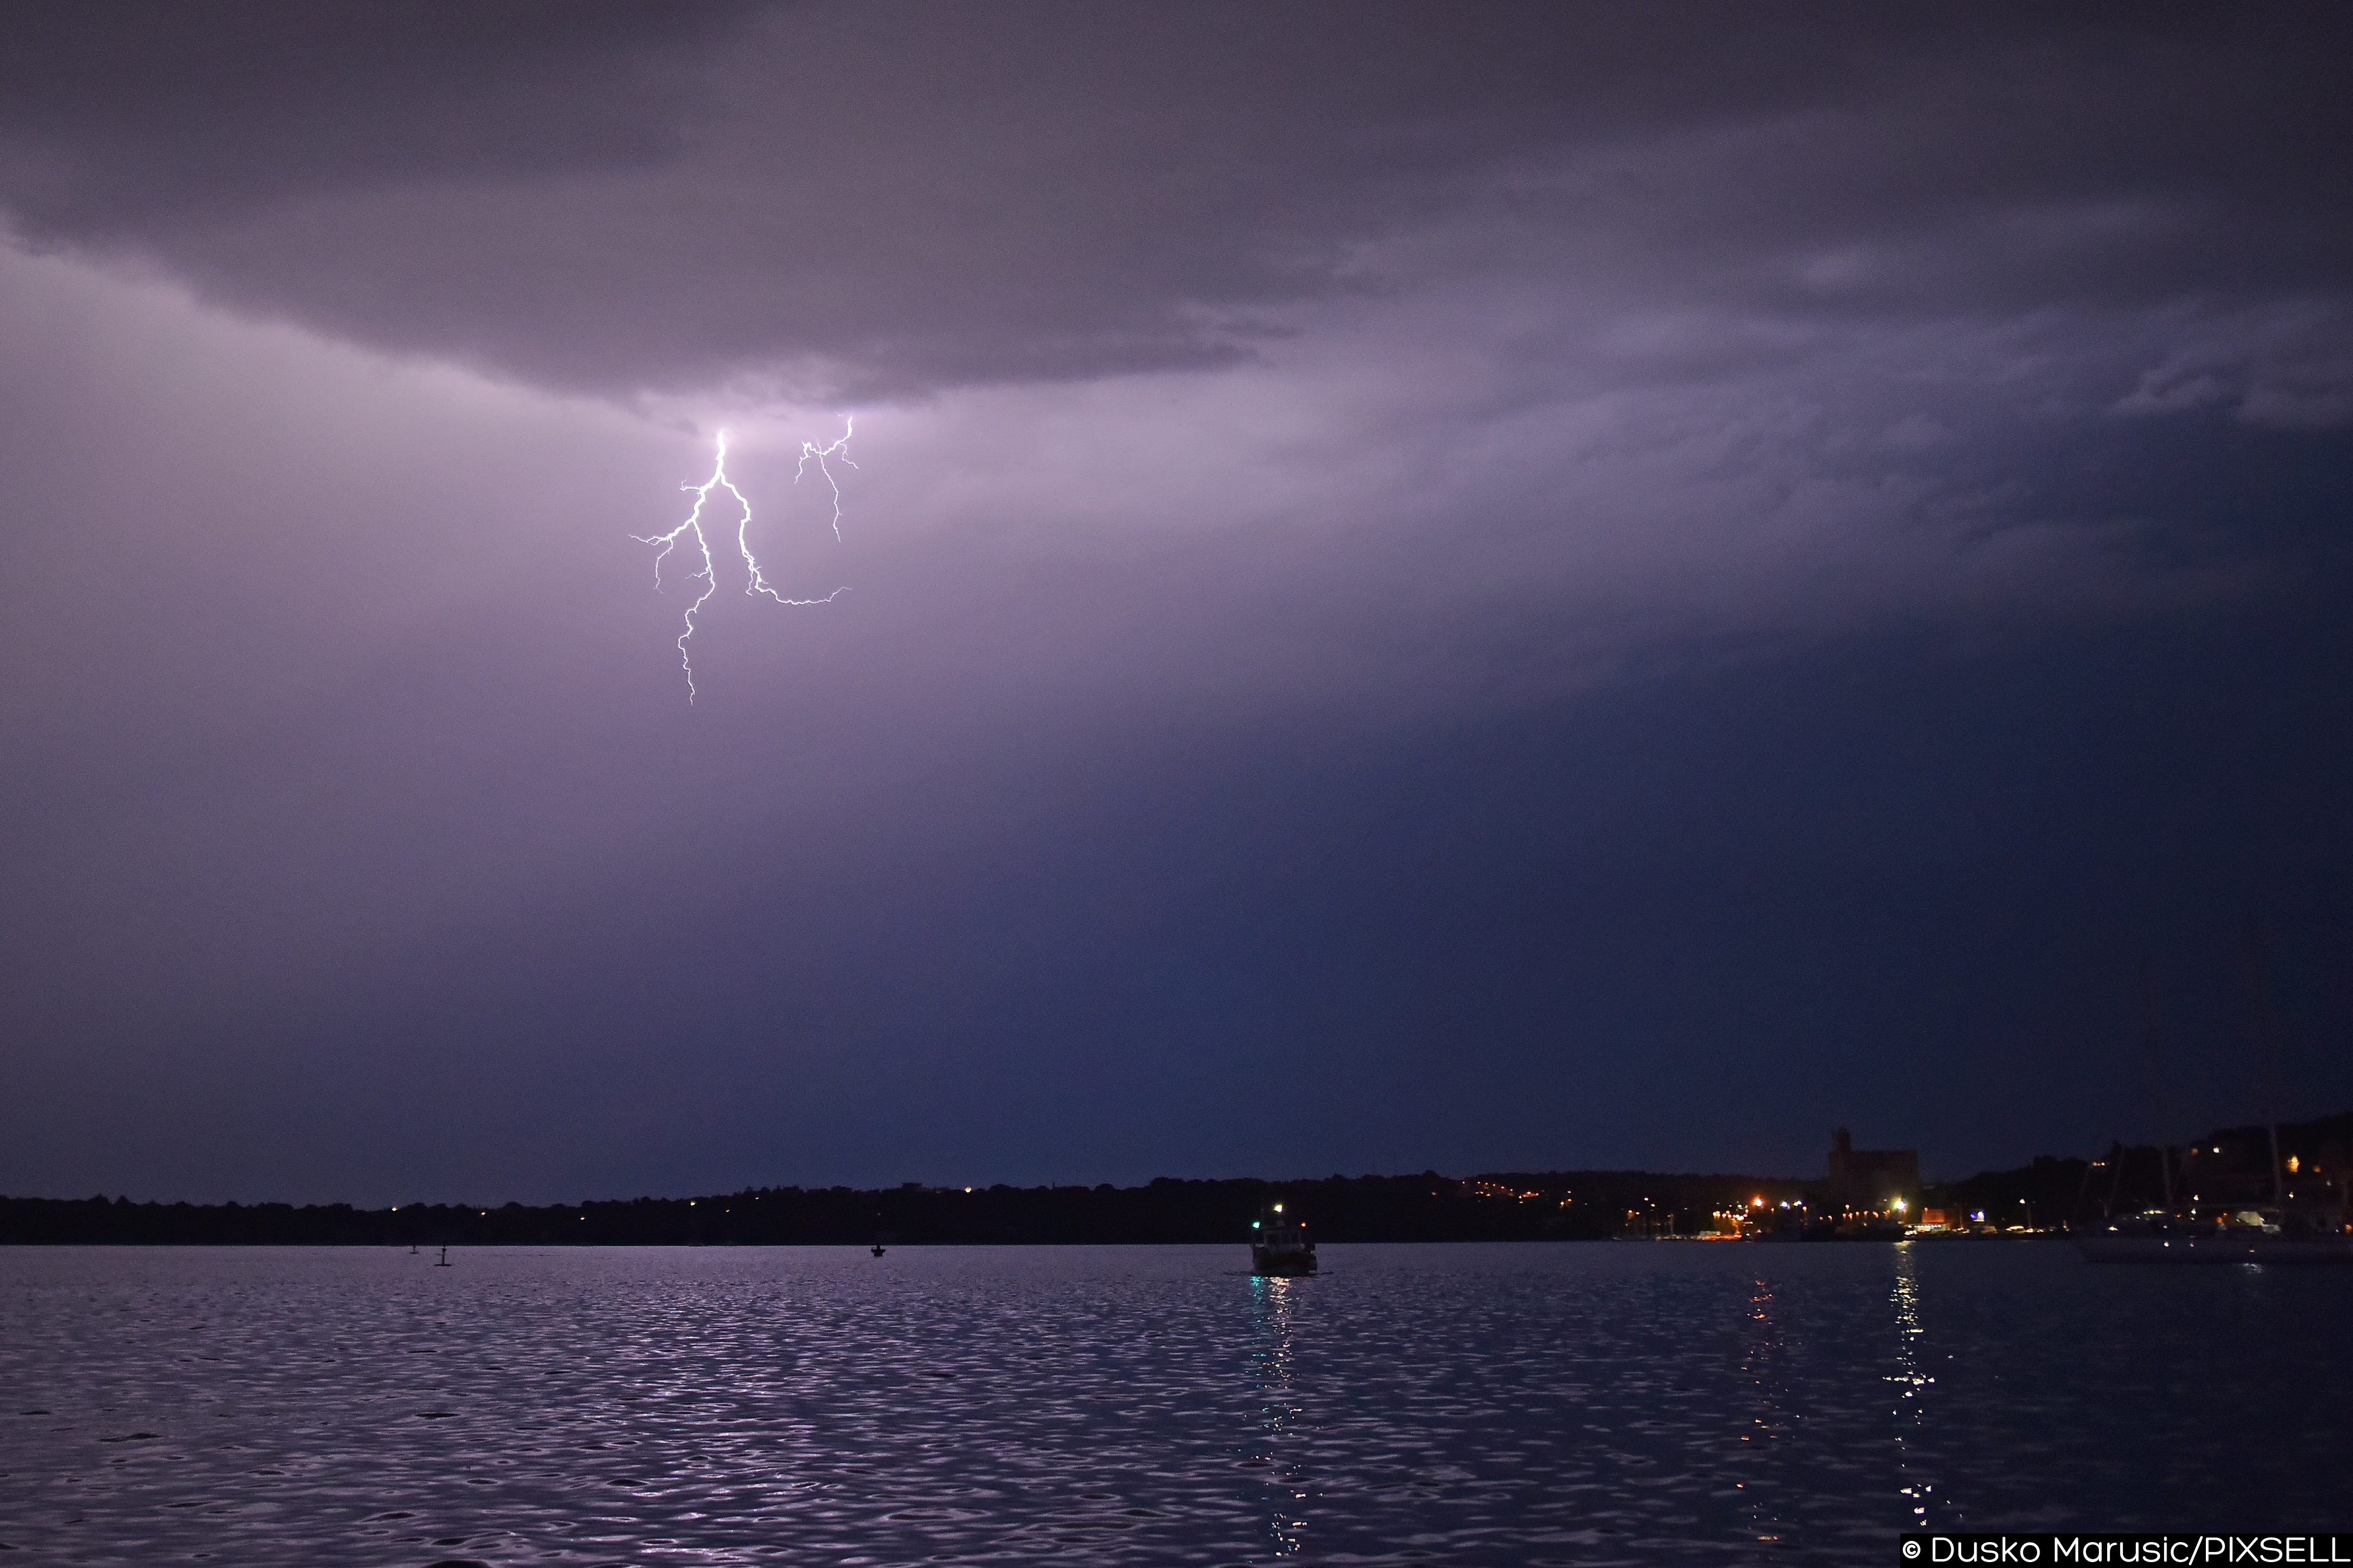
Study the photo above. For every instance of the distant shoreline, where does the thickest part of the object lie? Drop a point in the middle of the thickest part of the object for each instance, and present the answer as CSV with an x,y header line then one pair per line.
x,y
1512,1206
1505,1205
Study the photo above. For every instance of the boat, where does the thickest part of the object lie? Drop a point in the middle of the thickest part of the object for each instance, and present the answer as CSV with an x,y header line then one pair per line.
x,y
1280,1246
2309,1220
2245,1236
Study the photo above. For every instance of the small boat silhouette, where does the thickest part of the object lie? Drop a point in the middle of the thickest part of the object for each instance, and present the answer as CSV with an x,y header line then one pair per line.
x,y
876,1250
1280,1246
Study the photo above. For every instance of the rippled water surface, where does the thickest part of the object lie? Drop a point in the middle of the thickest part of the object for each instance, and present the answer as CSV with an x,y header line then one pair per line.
x,y
1586,1404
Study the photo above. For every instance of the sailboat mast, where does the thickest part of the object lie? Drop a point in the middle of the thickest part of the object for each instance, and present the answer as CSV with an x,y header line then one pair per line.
x,y
2156,1077
2265,1054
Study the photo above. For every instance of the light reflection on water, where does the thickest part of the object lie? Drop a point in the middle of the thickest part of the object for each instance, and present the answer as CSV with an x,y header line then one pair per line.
x,y
1587,1404
1273,1300
1758,1474
1910,1381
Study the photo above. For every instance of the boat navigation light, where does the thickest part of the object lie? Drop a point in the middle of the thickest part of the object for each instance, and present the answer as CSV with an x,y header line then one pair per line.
x,y
1278,1208
1253,1225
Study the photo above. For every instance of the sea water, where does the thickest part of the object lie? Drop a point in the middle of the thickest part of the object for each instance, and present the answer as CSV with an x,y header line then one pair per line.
x,y
1575,1403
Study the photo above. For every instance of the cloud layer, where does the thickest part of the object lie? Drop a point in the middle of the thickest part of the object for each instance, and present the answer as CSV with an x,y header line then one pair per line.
x,y
893,200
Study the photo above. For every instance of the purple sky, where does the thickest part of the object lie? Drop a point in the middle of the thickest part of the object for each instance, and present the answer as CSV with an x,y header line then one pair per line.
x,y
1485,588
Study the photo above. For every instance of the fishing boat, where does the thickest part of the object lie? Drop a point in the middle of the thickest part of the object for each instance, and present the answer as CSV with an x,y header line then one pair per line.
x,y
1280,1246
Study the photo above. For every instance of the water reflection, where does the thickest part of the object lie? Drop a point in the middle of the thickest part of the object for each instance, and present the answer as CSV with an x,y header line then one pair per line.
x,y
1762,1351
1910,1381
1274,1308
1540,1406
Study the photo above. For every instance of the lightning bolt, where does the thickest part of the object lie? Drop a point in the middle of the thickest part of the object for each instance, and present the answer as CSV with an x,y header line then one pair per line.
x,y
665,543
811,451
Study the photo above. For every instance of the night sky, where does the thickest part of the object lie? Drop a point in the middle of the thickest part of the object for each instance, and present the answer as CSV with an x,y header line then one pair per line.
x,y
1469,587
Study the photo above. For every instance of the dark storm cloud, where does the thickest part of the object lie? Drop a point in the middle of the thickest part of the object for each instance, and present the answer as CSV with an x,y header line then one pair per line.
x,y
139,112
872,199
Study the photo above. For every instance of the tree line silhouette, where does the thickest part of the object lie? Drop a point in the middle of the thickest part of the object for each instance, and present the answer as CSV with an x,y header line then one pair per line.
x,y
1544,1205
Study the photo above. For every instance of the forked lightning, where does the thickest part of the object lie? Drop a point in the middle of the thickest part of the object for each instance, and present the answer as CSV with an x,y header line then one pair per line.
x,y
756,583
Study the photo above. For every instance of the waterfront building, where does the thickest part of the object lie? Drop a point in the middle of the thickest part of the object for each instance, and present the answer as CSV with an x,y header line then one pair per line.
x,y
1877,1179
